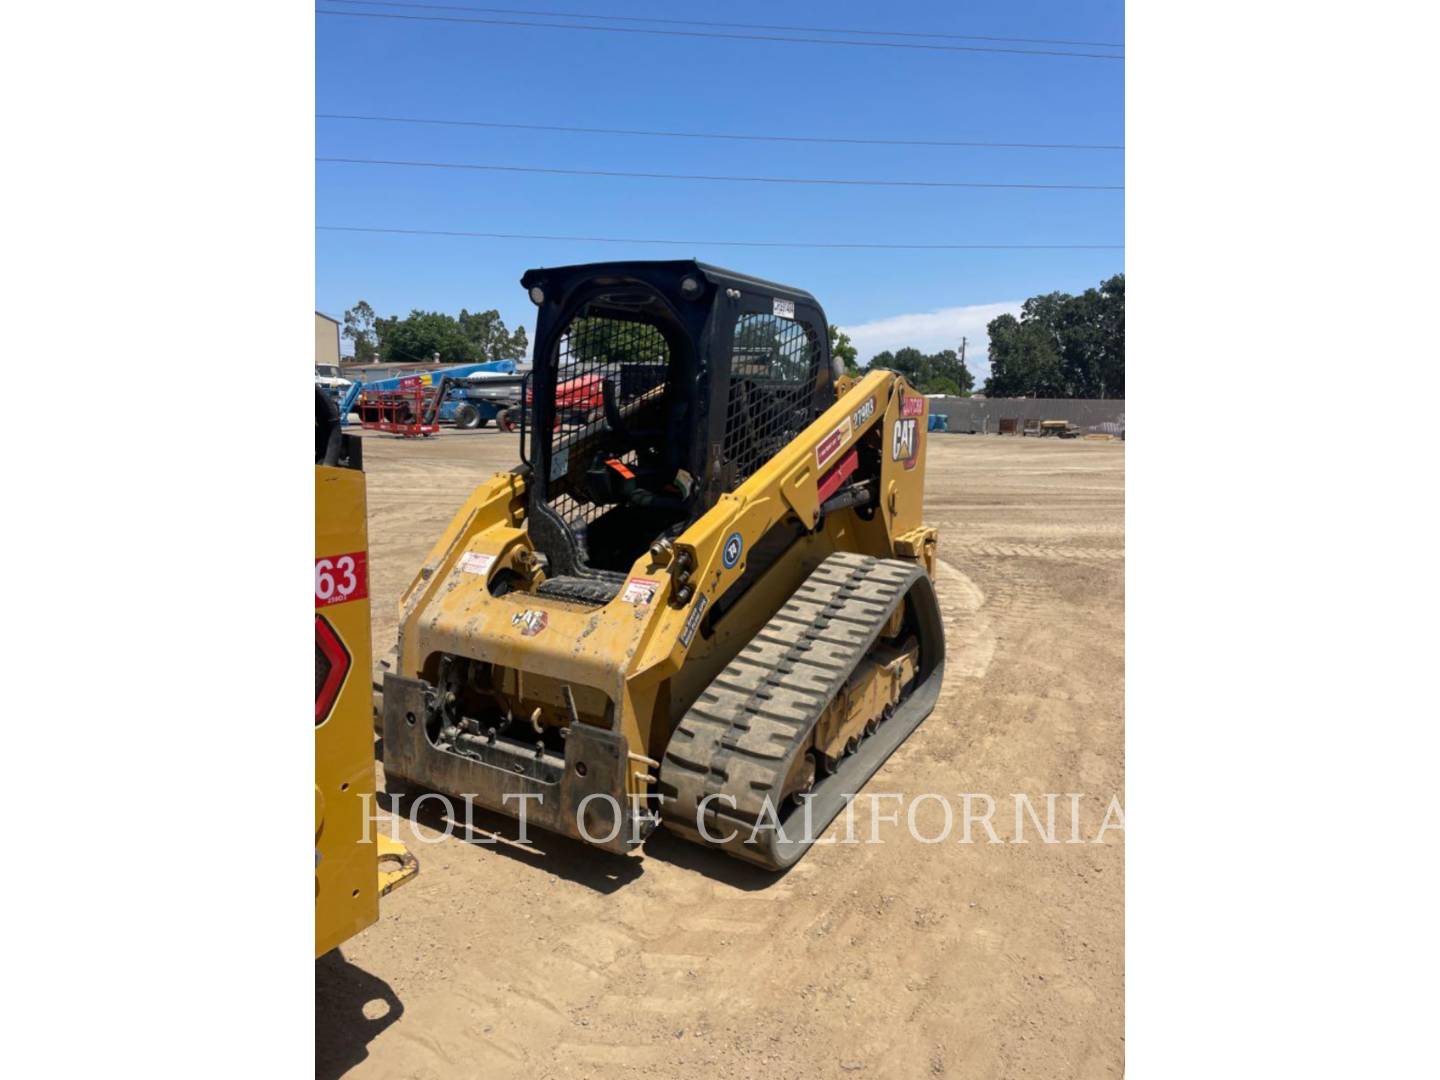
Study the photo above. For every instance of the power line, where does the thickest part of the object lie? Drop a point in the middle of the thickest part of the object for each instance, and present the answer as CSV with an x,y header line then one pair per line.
x,y
727,179
736,26
721,243
718,34
717,135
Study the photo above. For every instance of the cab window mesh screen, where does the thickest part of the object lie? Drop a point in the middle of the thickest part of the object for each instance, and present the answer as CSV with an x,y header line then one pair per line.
x,y
633,358
773,371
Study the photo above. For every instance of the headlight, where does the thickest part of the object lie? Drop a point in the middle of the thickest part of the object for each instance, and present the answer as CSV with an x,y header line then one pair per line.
x,y
537,295
690,287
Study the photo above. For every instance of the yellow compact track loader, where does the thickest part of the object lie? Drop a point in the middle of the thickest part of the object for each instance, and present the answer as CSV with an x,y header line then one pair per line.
x,y
354,866
705,596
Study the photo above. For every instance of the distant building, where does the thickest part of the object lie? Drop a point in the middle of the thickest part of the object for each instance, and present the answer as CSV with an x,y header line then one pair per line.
x,y
327,340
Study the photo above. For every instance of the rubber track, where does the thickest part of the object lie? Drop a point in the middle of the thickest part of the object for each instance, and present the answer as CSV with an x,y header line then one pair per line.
x,y
741,736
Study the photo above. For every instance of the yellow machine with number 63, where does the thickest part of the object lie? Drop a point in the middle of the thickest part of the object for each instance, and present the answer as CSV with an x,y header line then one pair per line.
x,y
703,599
354,864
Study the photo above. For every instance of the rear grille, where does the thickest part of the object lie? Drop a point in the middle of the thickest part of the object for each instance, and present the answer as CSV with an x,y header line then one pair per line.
x,y
774,368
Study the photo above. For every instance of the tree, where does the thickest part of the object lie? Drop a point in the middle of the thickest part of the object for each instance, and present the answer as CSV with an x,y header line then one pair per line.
x,y
422,336
942,385
841,347
1024,361
911,363
611,341
1062,345
930,373
360,329
945,373
1110,324
487,333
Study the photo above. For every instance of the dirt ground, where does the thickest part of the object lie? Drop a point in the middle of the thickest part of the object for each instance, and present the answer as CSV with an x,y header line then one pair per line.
x,y
892,959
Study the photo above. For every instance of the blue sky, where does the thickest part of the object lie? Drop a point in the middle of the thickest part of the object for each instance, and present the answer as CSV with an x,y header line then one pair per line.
x,y
570,77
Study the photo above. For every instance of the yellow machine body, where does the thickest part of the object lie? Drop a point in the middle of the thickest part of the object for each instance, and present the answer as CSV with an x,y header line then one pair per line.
x,y
354,866
504,692
634,660
620,655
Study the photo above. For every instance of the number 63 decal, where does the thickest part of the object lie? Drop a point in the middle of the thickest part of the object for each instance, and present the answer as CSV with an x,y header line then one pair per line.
x,y
339,578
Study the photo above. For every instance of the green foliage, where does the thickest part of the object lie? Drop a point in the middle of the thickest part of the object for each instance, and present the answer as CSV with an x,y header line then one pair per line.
x,y
360,328
1024,360
841,347
930,373
422,335
942,385
946,373
598,341
1062,346
486,331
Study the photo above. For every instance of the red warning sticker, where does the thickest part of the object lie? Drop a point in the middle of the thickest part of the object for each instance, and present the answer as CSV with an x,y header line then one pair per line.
x,y
640,590
912,406
832,442
339,578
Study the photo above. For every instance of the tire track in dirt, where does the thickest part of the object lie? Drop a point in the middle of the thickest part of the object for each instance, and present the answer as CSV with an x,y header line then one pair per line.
x,y
1000,550
969,633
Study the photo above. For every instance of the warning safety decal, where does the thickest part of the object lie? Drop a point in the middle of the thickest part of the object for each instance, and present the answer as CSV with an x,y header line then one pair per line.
x,y
472,562
640,590
832,443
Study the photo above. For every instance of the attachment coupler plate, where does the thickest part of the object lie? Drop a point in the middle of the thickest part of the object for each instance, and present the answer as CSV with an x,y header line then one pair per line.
x,y
582,795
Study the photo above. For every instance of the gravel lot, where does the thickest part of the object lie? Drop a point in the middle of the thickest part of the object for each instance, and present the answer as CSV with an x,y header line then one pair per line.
x,y
897,958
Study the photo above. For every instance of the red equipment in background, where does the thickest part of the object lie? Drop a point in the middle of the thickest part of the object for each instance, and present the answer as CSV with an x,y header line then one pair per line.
x,y
409,411
578,401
